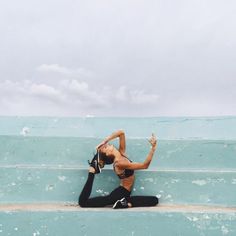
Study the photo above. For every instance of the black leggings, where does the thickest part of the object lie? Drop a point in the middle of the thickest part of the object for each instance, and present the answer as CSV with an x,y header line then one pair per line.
x,y
116,194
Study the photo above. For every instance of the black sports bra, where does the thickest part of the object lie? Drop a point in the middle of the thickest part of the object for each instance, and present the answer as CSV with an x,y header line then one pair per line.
x,y
126,173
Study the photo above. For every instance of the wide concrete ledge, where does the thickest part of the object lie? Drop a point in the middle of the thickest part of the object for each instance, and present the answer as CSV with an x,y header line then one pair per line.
x,y
159,208
164,220
15,150
193,187
220,127
109,168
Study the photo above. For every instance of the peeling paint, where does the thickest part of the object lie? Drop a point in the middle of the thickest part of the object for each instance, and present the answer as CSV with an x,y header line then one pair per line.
x,y
224,230
99,191
49,187
25,131
168,196
174,181
199,182
149,180
62,178
36,233
192,218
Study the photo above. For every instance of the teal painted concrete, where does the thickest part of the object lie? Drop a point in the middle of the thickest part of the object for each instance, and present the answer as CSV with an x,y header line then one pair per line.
x,y
167,128
175,187
116,223
44,160
177,154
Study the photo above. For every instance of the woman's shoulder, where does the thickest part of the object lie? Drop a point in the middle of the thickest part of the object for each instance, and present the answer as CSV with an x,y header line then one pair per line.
x,y
123,154
123,160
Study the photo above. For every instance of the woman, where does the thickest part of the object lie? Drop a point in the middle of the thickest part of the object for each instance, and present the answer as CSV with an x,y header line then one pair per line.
x,y
124,168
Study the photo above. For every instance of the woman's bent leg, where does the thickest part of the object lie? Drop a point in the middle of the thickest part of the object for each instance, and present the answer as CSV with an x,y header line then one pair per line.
x,y
110,199
97,202
85,201
143,201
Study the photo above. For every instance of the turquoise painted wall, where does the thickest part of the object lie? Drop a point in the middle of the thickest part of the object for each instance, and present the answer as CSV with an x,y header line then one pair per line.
x,y
126,222
44,160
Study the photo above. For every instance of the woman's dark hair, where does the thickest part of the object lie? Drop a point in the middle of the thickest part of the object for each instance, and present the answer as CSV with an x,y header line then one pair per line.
x,y
108,159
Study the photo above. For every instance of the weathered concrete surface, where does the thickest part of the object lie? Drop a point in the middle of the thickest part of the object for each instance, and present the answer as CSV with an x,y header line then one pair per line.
x,y
36,207
216,128
198,154
171,186
43,167
164,221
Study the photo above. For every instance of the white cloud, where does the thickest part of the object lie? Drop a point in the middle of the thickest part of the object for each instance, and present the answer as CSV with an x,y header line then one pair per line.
x,y
11,87
80,91
140,97
183,52
68,96
45,91
53,68
124,94
56,68
75,86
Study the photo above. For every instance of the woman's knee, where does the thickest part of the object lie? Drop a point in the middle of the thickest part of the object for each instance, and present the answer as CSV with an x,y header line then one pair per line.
x,y
81,202
155,201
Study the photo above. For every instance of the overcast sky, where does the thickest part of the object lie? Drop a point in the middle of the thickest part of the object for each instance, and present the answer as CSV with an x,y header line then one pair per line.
x,y
118,57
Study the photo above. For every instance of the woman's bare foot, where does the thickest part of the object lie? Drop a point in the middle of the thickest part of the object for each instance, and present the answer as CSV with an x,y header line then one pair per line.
x,y
91,169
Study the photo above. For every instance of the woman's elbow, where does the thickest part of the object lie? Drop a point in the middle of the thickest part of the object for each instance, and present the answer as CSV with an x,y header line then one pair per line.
x,y
121,131
145,166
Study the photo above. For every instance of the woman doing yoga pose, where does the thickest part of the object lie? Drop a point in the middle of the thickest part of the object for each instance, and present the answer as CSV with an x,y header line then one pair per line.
x,y
124,168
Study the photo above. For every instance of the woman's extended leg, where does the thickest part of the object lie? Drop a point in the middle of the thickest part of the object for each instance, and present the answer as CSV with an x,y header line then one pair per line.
x,y
143,201
84,196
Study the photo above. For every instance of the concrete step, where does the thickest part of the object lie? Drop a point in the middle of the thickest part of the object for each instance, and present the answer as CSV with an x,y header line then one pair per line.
x,y
53,184
43,169
199,154
218,128
165,220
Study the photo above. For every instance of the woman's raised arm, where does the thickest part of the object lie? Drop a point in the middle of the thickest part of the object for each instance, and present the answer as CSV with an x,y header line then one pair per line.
x,y
116,134
141,165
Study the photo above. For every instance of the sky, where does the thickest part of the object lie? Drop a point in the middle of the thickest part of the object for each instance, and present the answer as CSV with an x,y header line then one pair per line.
x,y
117,58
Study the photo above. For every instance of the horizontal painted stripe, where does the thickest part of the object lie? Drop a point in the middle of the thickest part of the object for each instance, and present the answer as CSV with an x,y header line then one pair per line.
x,y
158,208
64,167
165,127
106,222
64,185
76,151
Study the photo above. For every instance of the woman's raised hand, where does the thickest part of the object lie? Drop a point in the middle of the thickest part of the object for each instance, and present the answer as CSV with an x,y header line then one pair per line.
x,y
153,141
